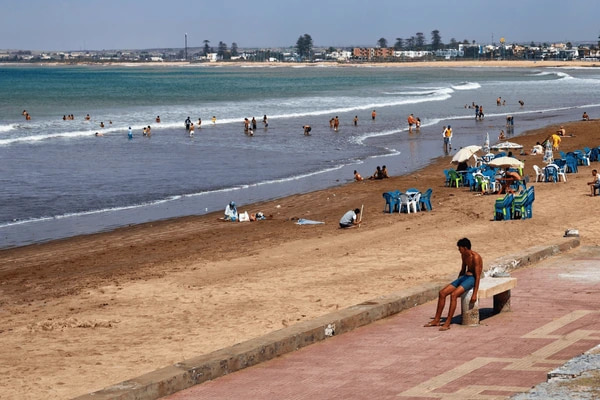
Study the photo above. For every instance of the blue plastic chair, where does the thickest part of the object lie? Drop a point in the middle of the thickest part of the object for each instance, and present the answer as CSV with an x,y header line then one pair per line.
x,y
571,164
503,209
392,201
425,200
551,173
447,175
522,204
487,158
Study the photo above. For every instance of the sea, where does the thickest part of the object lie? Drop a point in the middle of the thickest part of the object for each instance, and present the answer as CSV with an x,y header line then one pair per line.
x,y
58,179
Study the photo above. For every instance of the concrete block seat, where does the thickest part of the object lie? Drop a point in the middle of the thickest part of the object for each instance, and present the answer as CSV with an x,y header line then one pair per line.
x,y
496,287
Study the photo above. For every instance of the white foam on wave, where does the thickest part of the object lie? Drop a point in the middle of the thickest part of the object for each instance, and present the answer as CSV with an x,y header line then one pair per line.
x,y
466,86
7,128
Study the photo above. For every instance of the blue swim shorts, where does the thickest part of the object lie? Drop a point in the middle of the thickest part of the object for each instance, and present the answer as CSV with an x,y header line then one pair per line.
x,y
466,281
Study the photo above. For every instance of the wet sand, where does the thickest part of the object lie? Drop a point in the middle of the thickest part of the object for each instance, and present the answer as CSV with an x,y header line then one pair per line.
x,y
80,314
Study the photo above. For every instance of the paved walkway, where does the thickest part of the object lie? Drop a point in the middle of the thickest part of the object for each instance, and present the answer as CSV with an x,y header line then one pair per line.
x,y
555,317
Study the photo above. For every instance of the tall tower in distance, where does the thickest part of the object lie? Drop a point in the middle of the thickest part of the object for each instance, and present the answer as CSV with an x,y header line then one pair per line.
x,y
186,47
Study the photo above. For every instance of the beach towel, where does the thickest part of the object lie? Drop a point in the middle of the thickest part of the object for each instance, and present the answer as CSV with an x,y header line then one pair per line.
x,y
303,221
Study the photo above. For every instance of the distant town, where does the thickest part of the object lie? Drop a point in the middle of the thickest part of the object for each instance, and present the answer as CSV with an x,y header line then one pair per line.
x,y
402,51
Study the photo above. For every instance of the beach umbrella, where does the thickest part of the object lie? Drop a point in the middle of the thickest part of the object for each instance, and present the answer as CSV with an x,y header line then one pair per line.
x,y
506,162
486,144
507,145
548,155
465,153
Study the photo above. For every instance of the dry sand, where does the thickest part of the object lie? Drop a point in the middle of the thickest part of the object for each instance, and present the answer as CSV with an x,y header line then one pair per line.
x,y
81,314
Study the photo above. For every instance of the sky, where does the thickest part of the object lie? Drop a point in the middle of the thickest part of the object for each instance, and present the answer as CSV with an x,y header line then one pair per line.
x,y
70,25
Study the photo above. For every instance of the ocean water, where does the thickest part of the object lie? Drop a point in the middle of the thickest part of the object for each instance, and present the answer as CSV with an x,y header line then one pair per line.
x,y
59,179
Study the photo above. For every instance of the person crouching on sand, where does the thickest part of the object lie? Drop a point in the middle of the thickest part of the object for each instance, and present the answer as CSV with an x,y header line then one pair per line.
x,y
350,219
357,176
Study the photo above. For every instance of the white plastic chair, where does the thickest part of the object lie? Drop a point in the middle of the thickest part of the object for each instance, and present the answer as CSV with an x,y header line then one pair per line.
x,y
539,174
416,199
562,173
406,201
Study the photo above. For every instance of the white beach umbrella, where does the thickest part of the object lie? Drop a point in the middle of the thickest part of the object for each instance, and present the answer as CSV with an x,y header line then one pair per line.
x,y
486,144
506,162
507,145
465,153
548,155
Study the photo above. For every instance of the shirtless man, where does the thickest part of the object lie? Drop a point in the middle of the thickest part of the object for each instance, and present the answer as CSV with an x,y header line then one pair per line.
x,y
468,278
411,121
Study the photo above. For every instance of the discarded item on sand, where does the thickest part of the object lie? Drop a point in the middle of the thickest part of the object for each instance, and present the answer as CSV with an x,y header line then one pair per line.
x,y
303,221
572,233
244,217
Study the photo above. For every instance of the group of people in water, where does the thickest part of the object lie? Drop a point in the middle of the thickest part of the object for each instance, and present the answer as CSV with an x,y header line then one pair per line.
x,y
250,126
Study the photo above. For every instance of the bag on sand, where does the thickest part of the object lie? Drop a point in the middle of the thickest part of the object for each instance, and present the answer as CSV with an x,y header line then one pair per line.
x,y
244,217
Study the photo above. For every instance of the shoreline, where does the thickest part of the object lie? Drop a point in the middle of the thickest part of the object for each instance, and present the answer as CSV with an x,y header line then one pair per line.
x,y
106,307
399,64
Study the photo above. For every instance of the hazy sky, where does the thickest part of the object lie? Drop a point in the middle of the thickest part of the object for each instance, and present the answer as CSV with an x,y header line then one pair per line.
x,y
129,24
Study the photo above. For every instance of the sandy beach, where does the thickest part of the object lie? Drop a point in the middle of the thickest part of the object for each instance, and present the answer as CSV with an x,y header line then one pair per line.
x,y
81,314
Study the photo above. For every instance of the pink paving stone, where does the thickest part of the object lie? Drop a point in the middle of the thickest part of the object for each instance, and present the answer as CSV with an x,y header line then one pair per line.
x,y
396,355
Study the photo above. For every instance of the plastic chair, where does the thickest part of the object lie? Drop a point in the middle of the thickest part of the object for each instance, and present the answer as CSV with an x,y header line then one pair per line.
x,y
582,159
455,178
392,202
503,208
487,157
447,175
540,176
482,184
417,199
425,200
562,172
551,173
470,180
406,203
571,164
529,202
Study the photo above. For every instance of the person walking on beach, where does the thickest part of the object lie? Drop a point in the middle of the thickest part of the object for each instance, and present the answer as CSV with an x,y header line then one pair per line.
x,y
307,130
199,123
468,278
187,123
265,121
355,121
373,115
253,123
350,220
130,134
447,135
336,123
